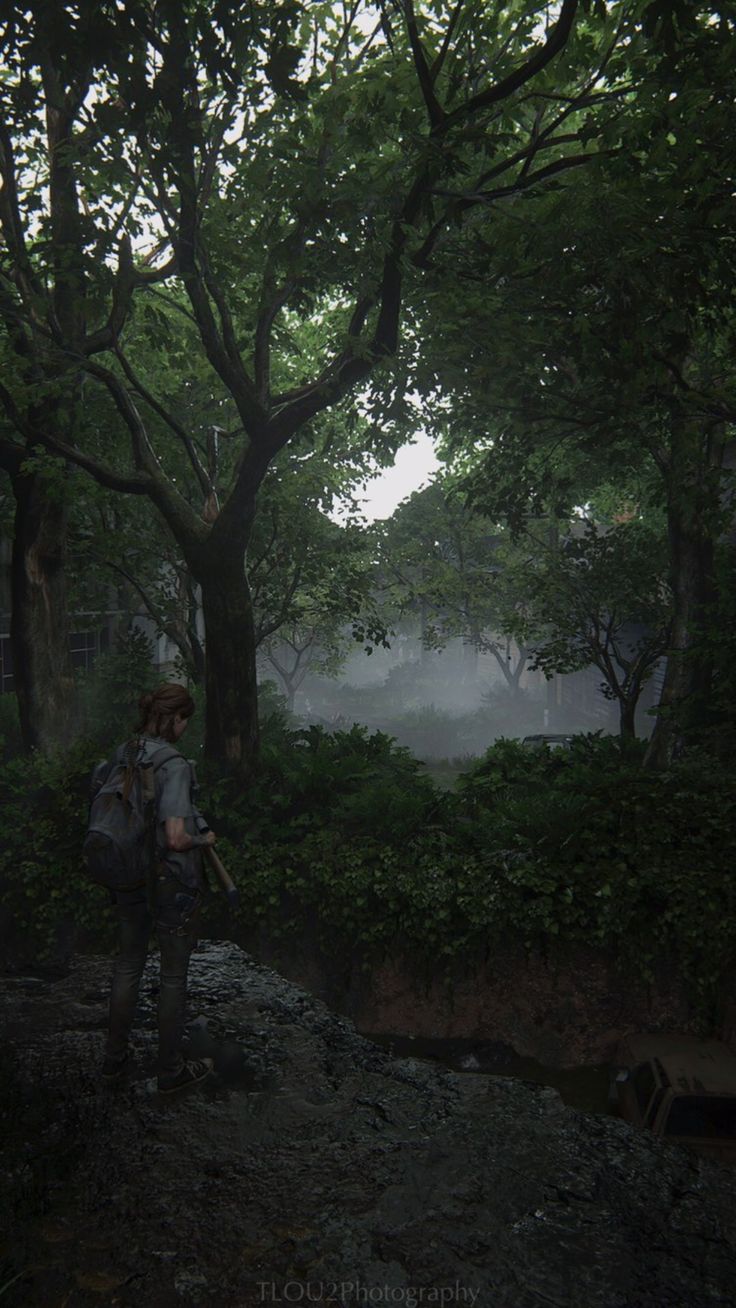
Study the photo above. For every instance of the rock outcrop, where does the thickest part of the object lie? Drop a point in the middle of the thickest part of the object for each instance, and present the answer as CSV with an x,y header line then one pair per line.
x,y
317,1169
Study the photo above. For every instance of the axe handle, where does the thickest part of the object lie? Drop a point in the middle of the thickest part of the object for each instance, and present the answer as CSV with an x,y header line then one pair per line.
x,y
223,876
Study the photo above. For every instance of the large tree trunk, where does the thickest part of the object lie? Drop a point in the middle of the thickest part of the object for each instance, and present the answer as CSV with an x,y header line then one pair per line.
x,y
39,628
688,674
231,726
470,663
627,718
518,672
686,687
198,663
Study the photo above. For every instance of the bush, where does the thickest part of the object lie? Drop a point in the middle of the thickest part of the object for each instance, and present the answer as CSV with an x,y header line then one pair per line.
x,y
47,899
344,835
351,782
588,846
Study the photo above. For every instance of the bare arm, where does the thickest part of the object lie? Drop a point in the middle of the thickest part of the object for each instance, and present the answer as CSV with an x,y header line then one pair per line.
x,y
179,839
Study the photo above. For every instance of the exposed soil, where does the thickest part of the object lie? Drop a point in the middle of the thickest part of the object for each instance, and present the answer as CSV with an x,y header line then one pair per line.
x,y
564,1006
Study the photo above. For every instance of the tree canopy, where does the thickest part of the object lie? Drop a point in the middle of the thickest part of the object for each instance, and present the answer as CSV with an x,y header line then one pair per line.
x,y
231,231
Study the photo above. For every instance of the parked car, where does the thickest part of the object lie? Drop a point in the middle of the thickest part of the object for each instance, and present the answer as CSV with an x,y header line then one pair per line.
x,y
680,1088
550,739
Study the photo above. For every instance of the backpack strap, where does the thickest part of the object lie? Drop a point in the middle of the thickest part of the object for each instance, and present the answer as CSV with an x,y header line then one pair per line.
x,y
164,755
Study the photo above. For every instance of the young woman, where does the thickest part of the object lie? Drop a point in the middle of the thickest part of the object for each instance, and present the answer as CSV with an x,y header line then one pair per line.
x,y
181,834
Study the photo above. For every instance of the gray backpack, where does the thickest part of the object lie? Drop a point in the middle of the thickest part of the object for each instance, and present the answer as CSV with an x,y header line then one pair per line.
x,y
120,845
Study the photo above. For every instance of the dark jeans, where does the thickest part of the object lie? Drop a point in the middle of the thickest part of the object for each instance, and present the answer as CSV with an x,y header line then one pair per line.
x,y
177,921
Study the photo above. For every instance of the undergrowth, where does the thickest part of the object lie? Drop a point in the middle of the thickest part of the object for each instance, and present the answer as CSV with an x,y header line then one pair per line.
x,y
345,834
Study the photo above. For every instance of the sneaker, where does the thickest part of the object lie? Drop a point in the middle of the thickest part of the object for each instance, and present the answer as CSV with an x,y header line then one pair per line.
x,y
193,1071
114,1068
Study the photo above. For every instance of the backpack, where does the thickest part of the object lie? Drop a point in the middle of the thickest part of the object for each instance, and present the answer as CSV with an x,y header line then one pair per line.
x,y
119,848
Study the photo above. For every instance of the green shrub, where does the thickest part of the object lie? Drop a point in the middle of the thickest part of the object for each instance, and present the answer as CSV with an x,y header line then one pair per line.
x,y
349,781
589,847
45,893
344,835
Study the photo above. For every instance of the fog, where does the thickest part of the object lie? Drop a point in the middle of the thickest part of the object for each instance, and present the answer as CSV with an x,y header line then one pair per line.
x,y
453,704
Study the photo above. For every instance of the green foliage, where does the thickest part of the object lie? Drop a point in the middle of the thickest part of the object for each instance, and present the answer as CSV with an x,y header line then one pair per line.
x,y
706,721
344,836
109,693
457,571
45,894
350,782
593,849
310,578
431,732
582,845
273,714
600,599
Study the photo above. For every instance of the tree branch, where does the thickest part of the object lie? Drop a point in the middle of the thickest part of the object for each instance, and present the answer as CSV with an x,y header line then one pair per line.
x,y
437,65
107,235
182,100
12,224
258,563
522,183
555,42
350,367
131,484
175,426
268,628
434,108
262,346
211,156
357,61
127,279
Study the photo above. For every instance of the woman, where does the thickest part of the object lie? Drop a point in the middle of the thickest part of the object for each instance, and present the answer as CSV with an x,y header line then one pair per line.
x,y
181,833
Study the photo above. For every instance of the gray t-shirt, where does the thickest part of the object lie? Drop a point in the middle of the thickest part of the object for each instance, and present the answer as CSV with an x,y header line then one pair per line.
x,y
176,788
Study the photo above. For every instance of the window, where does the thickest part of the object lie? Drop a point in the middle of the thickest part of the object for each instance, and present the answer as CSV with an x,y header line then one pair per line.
x,y
84,646
83,649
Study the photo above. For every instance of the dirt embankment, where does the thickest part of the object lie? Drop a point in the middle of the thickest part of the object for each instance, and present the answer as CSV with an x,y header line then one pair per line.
x,y
564,1006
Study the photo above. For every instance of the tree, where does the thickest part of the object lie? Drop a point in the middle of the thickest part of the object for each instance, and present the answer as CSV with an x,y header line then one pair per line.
x,y
310,577
599,598
118,550
457,571
296,168
39,629
601,344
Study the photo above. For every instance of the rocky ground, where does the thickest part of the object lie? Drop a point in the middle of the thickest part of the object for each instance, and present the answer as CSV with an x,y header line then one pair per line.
x,y
317,1169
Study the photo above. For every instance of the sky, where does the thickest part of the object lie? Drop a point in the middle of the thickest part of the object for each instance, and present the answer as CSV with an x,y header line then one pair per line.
x,y
414,466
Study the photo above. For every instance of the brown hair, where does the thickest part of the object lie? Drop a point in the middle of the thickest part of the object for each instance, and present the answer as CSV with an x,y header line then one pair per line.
x,y
159,707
